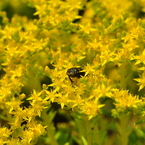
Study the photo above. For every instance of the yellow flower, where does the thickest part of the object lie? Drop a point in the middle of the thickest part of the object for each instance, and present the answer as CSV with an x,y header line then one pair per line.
x,y
140,58
115,8
124,100
102,91
32,132
4,132
41,9
89,69
62,100
91,109
87,28
141,81
37,129
14,104
7,32
106,56
13,141
29,113
78,101
74,4
51,95
17,72
28,136
35,96
96,44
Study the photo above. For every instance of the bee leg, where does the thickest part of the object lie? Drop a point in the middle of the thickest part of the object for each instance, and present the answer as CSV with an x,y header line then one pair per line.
x,y
71,80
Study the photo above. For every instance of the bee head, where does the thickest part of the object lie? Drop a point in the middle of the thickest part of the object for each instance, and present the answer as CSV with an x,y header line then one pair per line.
x,y
75,73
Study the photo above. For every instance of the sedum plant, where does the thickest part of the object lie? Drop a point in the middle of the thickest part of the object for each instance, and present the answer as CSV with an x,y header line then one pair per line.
x,y
105,105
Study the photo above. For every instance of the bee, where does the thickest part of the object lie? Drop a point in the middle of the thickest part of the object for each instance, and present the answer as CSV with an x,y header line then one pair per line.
x,y
75,73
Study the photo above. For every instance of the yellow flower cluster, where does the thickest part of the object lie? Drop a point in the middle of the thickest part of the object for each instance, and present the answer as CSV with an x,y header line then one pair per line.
x,y
105,38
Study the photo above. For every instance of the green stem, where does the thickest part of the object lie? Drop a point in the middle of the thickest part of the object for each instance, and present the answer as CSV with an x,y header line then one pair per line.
x,y
96,133
50,128
84,129
88,128
124,129
122,74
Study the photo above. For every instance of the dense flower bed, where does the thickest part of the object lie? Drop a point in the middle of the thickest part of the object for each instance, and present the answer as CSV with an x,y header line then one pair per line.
x,y
105,38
